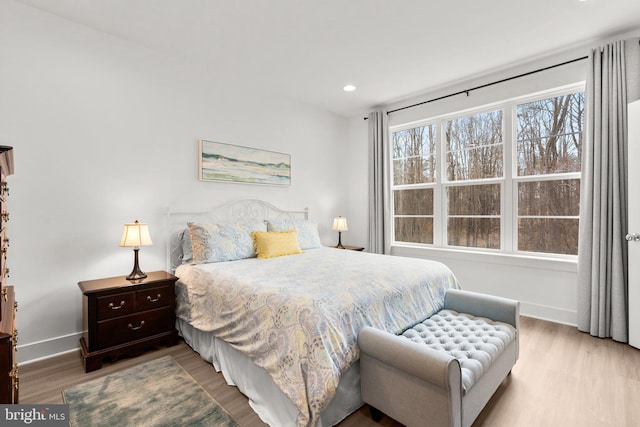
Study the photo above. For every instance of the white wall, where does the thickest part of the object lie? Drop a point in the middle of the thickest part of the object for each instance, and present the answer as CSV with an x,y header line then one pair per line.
x,y
105,132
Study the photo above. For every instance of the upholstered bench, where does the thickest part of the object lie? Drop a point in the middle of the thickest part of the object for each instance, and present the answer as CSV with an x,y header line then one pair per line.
x,y
444,370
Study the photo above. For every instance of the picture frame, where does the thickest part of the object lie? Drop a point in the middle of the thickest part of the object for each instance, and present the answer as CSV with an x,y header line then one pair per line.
x,y
224,162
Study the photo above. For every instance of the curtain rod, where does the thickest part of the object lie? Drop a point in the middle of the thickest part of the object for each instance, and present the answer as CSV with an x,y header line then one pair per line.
x,y
486,85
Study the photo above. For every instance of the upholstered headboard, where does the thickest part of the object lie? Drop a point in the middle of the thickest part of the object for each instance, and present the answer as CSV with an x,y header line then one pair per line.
x,y
239,211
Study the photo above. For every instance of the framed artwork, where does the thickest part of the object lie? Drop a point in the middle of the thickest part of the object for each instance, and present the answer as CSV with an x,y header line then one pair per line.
x,y
233,163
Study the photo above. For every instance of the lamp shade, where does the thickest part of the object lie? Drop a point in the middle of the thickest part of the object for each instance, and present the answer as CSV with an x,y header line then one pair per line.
x,y
340,224
135,235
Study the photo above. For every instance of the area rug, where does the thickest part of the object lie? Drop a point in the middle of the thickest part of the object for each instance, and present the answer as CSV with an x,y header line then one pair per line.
x,y
156,393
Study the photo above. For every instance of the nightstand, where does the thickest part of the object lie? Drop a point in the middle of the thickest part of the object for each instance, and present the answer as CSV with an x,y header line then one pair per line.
x,y
350,248
124,318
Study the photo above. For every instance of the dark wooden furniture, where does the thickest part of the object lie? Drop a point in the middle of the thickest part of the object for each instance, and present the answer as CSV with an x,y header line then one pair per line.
x,y
350,248
9,384
125,318
6,169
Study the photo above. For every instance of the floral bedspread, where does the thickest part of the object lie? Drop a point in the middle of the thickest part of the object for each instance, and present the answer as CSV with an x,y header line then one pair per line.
x,y
298,316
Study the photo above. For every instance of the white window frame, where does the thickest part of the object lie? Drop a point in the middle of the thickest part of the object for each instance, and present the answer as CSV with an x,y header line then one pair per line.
x,y
508,182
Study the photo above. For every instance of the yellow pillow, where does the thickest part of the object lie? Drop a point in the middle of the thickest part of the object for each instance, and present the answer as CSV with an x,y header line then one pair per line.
x,y
271,244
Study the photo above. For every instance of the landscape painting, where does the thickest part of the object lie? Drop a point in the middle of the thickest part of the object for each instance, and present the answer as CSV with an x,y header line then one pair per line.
x,y
234,163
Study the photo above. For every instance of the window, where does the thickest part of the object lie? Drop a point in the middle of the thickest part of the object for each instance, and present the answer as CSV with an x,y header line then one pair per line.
x,y
501,179
474,154
414,173
549,142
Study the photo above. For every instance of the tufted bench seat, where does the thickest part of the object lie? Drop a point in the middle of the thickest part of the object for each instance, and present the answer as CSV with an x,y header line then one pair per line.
x,y
475,341
444,369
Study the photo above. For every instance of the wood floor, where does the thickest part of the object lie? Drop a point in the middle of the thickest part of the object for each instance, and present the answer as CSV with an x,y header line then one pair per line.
x,y
563,378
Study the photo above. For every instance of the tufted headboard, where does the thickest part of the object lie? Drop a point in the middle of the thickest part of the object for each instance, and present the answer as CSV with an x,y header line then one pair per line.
x,y
244,211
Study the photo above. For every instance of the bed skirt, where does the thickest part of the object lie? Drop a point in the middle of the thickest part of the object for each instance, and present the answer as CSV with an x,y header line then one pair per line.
x,y
266,399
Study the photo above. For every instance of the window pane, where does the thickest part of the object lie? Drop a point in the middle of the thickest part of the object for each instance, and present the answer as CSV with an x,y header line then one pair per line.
x,y
549,198
549,235
476,163
414,159
474,146
547,155
550,135
408,171
414,230
413,202
414,170
474,199
474,232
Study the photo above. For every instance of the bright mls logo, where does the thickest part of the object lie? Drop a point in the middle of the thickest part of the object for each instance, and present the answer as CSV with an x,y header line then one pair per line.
x,y
36,415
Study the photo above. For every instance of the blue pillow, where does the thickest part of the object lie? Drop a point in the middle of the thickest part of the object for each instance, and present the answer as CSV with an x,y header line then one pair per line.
x,y
222,242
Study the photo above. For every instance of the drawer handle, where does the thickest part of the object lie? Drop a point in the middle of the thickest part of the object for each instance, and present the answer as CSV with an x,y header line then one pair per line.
x,y
156,299
112,306
135,328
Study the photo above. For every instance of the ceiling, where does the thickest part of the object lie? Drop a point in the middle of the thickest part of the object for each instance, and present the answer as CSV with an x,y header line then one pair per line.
x,y
390,49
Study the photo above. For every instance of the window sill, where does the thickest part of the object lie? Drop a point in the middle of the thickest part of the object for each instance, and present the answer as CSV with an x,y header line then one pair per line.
x,y
568,264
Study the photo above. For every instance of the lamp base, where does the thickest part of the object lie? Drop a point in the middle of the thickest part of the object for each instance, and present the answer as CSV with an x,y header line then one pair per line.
x,y
339,245
136,273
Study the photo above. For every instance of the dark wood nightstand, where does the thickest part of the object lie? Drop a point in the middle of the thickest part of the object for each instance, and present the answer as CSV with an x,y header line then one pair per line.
x,y
124,318
350,248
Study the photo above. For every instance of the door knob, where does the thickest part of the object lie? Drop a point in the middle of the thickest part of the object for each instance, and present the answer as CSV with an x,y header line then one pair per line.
x,y
632,237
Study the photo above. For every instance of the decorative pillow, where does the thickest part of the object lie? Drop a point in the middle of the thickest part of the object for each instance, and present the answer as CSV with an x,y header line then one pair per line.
x,y
222,242
308,237
271,244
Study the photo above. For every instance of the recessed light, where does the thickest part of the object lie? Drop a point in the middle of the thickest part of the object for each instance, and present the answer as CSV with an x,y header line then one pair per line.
x,y
349,88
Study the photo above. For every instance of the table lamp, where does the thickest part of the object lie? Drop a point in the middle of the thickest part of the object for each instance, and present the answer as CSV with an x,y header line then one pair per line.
x,y
340,225
135,235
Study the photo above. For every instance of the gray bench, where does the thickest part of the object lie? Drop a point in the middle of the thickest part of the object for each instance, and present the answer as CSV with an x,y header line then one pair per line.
x,y
443,371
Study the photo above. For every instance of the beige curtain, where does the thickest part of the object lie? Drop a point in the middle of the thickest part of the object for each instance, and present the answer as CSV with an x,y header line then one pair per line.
x,y
602,256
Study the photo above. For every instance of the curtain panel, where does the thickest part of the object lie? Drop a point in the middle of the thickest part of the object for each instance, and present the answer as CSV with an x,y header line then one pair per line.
x,y
602,253
379,216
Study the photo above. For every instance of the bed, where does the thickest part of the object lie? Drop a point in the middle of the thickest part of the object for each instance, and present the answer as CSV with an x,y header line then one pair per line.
x,y
284,328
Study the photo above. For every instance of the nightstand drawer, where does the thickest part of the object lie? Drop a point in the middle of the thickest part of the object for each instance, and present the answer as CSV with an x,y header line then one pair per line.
x,y
133,327
115,305
148,299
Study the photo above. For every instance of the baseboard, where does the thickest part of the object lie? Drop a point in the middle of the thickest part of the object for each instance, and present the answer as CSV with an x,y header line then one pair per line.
x,y
552,314
32,352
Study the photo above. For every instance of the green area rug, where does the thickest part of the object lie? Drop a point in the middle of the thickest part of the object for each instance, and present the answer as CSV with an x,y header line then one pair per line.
x,y
157,393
